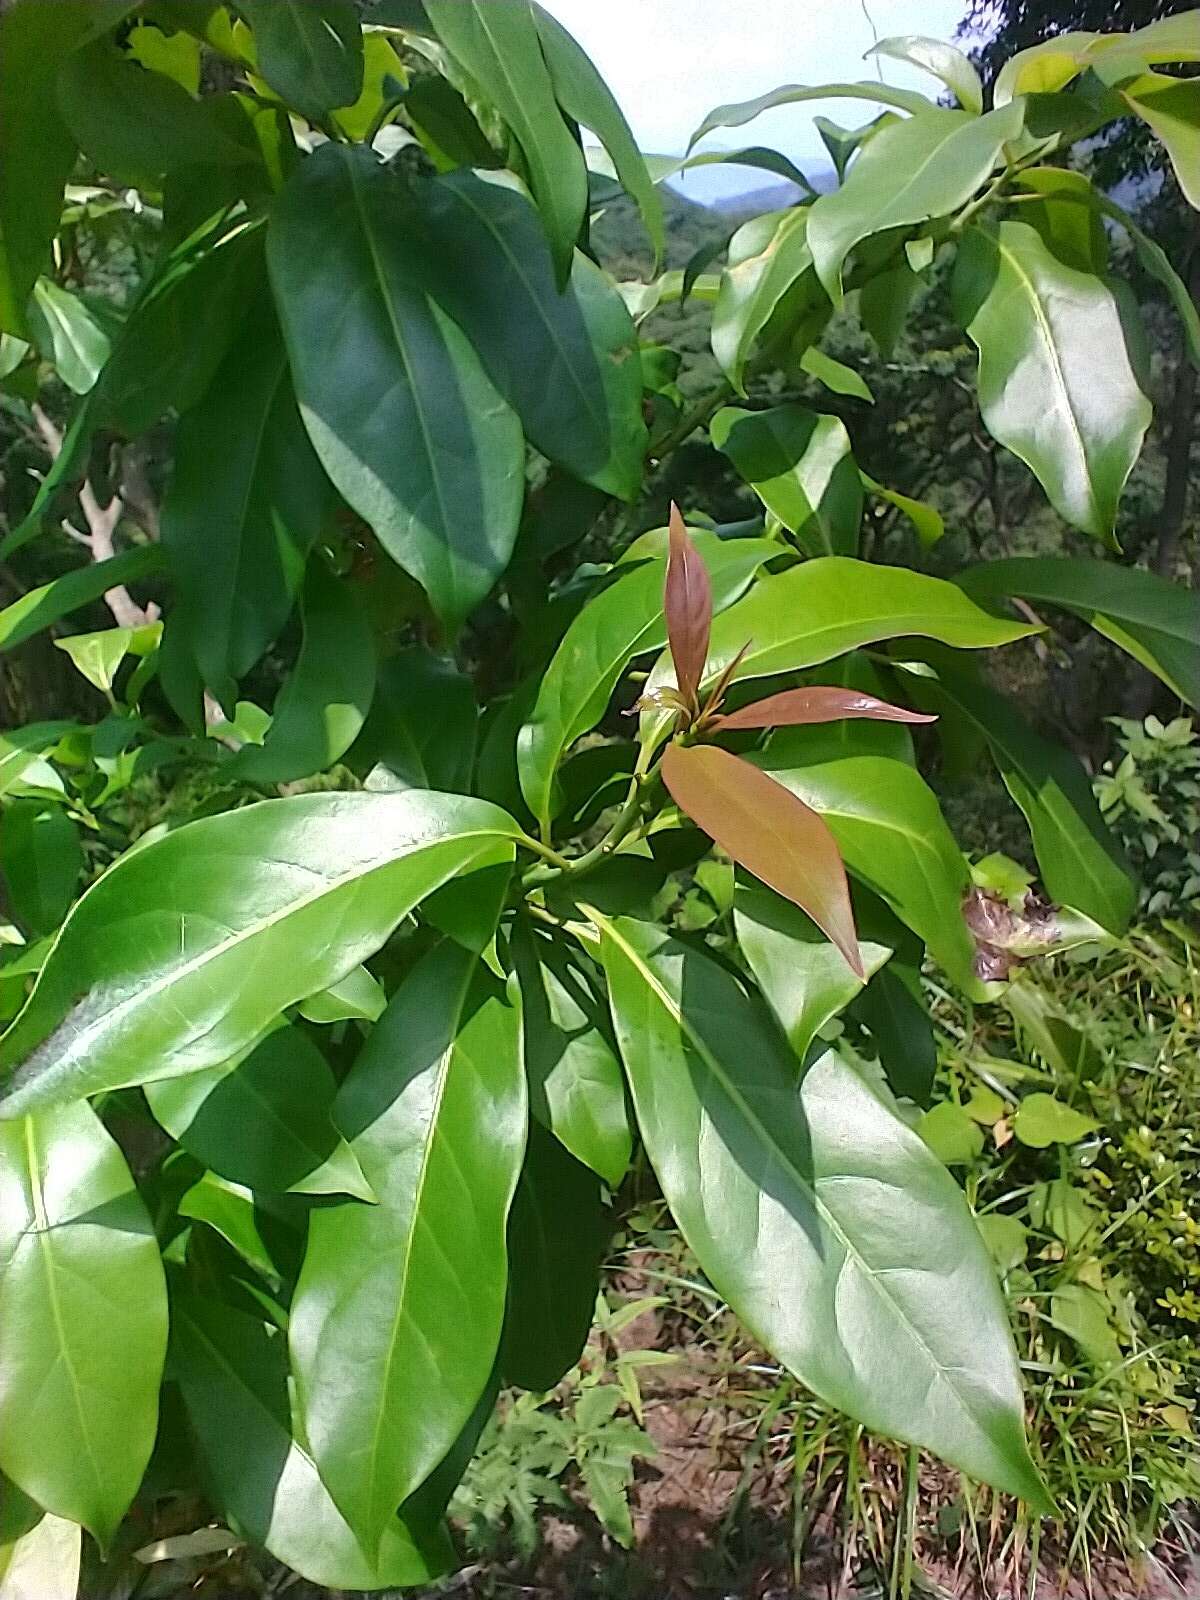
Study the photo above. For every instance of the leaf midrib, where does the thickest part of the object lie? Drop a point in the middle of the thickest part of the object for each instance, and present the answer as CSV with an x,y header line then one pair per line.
x,y
667,1001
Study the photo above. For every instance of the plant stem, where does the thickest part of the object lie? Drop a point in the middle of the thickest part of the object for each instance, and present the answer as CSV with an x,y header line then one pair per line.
x,y
984,199
559,866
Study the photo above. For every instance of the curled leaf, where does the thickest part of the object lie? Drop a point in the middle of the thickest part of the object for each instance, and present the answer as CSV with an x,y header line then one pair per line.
x,y
687,602
818,704
768,831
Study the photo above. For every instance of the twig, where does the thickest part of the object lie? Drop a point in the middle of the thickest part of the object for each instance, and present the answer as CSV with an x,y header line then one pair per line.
x,y
101,524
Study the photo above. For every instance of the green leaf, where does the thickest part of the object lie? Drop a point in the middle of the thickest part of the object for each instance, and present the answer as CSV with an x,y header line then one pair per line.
x,y
1153,259
1170,107
884,302
237,539
799,464
576,1088
743,111
756,156
566,362
1066,1049
1085,1315
20,748
817,1215
309,51
768,257
804,979
835,375
585,97
1067,216
324,702
940,59
624,621
894,1010
265,1121
397,1314
42,1561
374,361
358,995
41,859
423,723
893,837
67,334
160,947
34,40
1041,1121
233,1373
843,142
1007,1239
96,656
1157,622
136,125
85,1319
1080,861
822,608
909,173
175,55
499,46
951,1134
233,1212
1056,383
926,519
46,604
557,1233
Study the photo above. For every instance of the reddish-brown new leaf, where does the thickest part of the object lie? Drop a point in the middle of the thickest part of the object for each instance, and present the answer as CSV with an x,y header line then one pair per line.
x,y
769,832
687,602
815,705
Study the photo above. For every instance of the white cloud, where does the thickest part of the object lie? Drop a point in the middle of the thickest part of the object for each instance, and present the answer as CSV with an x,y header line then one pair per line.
x,y
670,61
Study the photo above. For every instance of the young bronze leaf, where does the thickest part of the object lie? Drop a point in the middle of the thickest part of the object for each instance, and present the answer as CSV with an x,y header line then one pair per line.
x,y
687,601
817,704
769,832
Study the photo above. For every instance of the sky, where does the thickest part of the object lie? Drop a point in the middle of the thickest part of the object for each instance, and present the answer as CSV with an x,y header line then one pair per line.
x,y
670,61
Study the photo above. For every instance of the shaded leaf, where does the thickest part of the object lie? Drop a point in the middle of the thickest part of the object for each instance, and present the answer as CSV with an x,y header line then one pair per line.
x,y
799,464
942,60
896,1013
309,51
1171,109
46,604
41,859
768,258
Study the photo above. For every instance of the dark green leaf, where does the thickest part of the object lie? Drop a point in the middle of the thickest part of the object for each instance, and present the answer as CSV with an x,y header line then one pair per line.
x,y
160,949
35,39
884,301
266,1121
45,605
499,46
624,621
799,464
576,1088
85,1319
894,1010
375,361
1056,383
41,859
585,97
1157,622
566,362
324,703
822,1220
233,1371
237,538
910,172
309,51
397,1315
557,1232
1067,216
423,723
1081,863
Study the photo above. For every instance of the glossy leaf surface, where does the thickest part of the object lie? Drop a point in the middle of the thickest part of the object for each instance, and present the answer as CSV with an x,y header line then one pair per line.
x,y
576,1088
1157,622
233,1371
769,832
624,621
397,1315
309,51
423,723
500,48
374,360
799,464
818,704
85,1319
49,601
266,1122
767,257
557,1231
910,172
163,947
857,1262
1056,383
